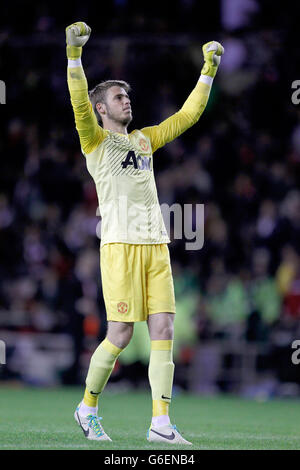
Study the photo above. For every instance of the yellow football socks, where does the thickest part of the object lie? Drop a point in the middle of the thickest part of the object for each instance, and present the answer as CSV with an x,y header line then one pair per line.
x,y
101,366
161,372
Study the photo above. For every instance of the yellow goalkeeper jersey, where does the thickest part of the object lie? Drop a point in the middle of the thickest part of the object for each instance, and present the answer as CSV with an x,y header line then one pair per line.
x,y
122,165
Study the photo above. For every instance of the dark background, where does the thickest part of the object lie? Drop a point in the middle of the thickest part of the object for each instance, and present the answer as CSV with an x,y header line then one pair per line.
x,y
238,298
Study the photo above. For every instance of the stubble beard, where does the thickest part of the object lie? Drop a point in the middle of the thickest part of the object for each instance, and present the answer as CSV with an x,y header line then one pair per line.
x,y
123,121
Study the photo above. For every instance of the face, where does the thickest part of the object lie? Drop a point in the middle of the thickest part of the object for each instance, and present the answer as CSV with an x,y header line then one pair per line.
x,y
117,106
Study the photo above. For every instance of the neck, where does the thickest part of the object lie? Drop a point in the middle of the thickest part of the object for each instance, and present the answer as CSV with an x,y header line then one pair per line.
x,y
115,127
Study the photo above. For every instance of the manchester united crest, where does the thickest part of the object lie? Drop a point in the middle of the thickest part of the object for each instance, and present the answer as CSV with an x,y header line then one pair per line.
x,y
122,307
144,145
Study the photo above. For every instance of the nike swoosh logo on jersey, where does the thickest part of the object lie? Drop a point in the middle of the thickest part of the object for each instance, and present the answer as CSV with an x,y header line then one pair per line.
x,y
94,393
86,432
169,437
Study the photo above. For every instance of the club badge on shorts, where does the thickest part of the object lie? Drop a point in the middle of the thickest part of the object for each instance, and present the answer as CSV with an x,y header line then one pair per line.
x,y
122,307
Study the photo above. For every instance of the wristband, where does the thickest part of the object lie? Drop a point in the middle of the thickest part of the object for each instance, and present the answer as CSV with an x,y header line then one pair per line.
x,y
206,79
72,63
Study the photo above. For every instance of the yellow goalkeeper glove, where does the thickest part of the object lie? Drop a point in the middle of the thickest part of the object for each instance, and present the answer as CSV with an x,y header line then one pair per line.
x,y
77,34
212,52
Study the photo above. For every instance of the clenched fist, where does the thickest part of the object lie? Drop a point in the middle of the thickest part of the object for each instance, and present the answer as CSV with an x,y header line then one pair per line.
x,y
77,35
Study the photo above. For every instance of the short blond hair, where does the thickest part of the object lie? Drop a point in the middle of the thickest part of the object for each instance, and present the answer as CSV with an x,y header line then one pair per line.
x,y
98,94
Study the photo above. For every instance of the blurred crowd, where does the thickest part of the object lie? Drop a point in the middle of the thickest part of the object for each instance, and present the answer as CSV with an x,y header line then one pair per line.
x,y
241,160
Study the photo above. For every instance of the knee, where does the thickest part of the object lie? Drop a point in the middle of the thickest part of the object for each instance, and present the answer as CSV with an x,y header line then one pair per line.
x,y
166,332
125,337
120,335
163,329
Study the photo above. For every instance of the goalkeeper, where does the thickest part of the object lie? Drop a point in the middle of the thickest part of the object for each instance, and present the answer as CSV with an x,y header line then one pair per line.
x,y
134,257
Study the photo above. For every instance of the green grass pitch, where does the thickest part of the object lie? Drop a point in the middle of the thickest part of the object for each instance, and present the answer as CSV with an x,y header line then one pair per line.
x,y
32,418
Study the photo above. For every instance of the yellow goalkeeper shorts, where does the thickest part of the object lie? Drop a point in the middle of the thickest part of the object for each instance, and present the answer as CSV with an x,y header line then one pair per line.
x,y
136,281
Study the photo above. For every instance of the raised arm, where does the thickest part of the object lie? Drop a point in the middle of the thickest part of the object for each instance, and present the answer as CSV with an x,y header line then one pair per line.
x,y
90,133
195,104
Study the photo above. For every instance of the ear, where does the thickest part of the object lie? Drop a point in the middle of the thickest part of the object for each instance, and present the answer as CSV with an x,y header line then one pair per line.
x,y
101,108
